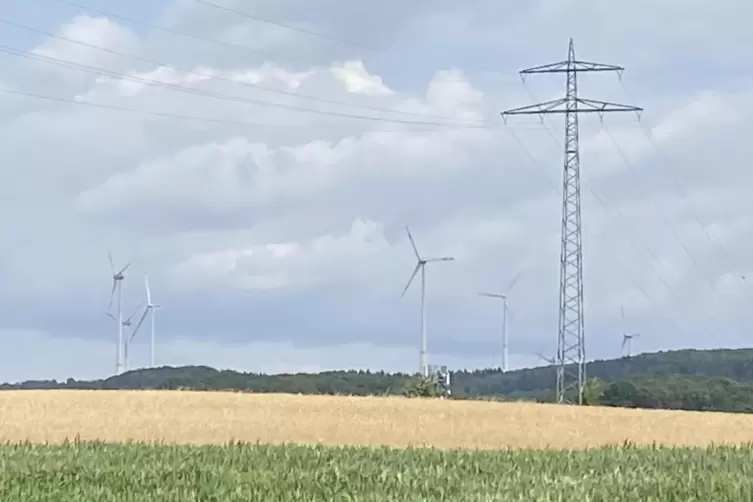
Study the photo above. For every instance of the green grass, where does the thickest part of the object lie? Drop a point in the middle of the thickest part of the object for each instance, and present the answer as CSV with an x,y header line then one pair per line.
x,y
154,473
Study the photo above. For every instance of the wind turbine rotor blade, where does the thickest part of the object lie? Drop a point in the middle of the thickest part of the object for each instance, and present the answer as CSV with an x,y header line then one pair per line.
x,y
624,342
148,292
413,276
112,264
439,259
124,269
549,360
134,313
110,316
412,243
112,293
493,295
143,316
512,282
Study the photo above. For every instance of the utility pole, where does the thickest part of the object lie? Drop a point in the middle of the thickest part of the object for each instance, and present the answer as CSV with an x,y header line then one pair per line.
x,y
571,347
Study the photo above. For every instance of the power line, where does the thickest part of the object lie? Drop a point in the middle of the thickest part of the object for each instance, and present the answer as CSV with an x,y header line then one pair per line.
x,y
694,262
664,218
553,184
658,211
174,31
284,25
221,96
177,116
632,170
211,76
146,112
682,192
653,258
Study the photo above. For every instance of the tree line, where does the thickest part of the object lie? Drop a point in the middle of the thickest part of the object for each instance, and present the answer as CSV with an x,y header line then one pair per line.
x,y
718,380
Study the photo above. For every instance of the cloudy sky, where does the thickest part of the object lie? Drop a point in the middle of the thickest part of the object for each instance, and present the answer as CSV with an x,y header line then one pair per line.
x,y
261,161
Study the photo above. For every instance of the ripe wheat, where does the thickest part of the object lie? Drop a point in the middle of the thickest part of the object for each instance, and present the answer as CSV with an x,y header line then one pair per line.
x,y
209,417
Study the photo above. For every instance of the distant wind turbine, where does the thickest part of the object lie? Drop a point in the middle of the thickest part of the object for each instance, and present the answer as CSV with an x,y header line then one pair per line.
x,y
150,308
124,324
627,338
117,280
421,265
505,311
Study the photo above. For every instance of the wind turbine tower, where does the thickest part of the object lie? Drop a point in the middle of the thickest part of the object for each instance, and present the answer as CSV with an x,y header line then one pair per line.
x,y
149,309
124,324
117,285
421,266
571,345
505,312
627,338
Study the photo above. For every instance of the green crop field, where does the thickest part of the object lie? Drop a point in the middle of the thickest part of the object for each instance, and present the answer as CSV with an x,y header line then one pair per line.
x,y
100,472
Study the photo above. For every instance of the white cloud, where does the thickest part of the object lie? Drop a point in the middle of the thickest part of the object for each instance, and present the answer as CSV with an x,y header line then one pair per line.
x,y
323,262
97,31
356,79
240,173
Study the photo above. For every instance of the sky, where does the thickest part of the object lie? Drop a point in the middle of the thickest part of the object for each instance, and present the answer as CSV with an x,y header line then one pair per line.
x,y
261,159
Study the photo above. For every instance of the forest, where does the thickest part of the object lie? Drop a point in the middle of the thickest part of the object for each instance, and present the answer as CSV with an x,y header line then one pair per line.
x,y
710,380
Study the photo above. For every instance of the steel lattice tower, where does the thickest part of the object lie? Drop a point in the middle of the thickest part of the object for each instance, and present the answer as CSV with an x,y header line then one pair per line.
x,y
571,347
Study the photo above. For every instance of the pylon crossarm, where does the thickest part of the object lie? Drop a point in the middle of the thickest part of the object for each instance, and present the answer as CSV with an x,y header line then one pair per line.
x,y
546,68
594,105
574,66
582,106
591,66
536,109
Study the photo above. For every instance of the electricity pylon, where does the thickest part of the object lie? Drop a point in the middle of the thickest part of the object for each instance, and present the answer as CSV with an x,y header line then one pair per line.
x,y
571,347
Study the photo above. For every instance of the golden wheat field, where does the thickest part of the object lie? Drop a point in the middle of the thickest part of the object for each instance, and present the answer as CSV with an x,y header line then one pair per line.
x,y
215,417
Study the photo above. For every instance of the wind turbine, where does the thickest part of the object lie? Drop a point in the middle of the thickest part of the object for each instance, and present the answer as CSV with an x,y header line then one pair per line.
x,y
150,307
421,265
124,324
117,281
505,311
627,338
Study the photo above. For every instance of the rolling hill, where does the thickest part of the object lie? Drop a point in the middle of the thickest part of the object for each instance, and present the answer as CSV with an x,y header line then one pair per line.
x,y
720,379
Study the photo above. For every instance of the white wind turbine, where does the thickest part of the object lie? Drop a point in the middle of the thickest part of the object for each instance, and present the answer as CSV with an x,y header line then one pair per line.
x,y
150,307
421,265
117,280
505,312
124,324
627,338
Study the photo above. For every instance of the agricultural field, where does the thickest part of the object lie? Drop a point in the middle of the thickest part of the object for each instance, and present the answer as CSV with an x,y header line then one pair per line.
x,y
173,473
219,417
193,446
